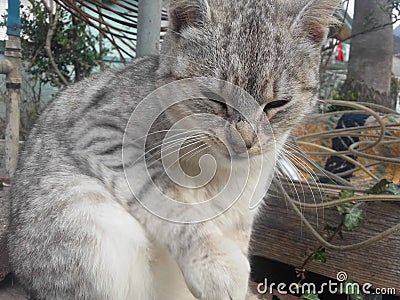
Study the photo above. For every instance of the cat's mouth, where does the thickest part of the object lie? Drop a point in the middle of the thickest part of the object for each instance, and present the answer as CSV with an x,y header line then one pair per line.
x,y
220,148
233,151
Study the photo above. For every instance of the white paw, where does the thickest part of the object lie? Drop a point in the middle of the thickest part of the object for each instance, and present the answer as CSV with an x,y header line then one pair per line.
x,y
222,273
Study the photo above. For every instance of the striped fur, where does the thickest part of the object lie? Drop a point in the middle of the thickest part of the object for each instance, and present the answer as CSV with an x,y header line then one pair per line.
x,y
76,230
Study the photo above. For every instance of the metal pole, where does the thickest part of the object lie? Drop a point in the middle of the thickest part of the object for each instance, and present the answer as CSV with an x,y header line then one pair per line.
x,y
148,30
13,85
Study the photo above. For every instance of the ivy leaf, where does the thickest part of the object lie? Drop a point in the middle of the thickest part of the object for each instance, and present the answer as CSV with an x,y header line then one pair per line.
x,y
345,208
380,187
354,218
393,189
319,256
346,194
310,296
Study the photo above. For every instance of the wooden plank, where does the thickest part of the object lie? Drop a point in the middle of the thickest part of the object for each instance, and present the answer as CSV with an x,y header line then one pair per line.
x,y
279,235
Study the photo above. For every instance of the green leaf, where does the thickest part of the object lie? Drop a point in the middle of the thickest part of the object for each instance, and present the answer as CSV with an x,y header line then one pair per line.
x,y
379,188
344,208
354,218
346,194
79,57
393,188
310,296
319,256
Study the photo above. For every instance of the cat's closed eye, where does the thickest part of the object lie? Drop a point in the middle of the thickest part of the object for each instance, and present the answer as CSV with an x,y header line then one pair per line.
x,y
275,104
220,101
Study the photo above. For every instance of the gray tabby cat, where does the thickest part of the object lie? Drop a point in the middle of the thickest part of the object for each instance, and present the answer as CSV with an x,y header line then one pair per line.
x,y
77,232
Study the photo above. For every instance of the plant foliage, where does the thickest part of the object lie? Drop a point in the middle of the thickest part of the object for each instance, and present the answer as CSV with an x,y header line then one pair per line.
x,y
75,47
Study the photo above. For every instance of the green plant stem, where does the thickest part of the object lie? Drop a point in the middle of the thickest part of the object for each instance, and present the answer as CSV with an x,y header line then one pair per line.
x,y
330,246
334,203
345,157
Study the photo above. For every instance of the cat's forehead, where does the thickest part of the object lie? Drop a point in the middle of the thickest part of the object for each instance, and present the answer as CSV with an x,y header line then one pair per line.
x,y
266,47
246,12
253,26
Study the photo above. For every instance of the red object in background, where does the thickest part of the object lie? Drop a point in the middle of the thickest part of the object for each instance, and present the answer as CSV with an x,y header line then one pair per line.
x,y
340,56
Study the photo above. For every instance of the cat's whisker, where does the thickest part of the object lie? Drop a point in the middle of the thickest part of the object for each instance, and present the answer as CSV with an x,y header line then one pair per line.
x,y
326,174
178,150
183,131
186,159
308,169
166,145
288,154
305,167
171,144
204,146
196,153
291,185
184,146
175,151
283,171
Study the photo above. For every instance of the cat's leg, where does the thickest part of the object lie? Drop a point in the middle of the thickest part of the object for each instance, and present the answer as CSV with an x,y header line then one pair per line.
x,y
213,266
169,283
242,238
216,268
84,247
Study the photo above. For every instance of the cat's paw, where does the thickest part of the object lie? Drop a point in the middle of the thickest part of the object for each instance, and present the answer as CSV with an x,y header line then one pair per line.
x,y
219,273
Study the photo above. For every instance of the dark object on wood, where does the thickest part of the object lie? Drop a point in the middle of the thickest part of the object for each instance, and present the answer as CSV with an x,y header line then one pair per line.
x,y
280,236
336,164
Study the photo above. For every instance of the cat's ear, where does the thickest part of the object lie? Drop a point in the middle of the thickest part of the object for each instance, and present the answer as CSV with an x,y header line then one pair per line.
x,y
188,13
315,18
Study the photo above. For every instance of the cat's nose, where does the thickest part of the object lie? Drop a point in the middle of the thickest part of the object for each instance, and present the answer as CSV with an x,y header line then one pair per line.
x,y
240,148
244,142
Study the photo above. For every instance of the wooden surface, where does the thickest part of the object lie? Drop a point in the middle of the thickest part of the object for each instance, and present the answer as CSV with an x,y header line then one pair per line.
x,y
279,235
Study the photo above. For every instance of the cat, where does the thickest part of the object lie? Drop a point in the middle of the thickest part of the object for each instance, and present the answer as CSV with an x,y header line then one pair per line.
x,y
91,216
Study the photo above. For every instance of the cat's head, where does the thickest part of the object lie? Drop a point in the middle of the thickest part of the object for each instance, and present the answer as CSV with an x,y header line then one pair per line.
x,y
269,48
